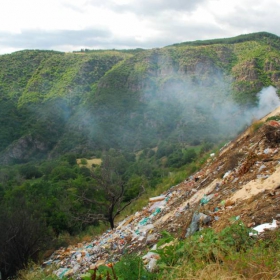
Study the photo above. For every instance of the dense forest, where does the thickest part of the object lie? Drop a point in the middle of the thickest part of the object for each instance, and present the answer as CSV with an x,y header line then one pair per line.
x,y
144,113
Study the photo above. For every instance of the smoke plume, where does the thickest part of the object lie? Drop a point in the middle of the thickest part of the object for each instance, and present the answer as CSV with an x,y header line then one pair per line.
x,y
268,101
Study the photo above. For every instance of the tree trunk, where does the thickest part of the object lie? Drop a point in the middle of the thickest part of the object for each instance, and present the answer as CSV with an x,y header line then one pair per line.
x,y
111,214
111,221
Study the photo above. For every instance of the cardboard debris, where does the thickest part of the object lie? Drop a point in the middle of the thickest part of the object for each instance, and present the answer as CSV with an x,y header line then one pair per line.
x,y
258,185
157,198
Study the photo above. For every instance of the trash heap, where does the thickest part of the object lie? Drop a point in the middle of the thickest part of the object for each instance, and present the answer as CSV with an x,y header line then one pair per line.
x,y
239,182
134,234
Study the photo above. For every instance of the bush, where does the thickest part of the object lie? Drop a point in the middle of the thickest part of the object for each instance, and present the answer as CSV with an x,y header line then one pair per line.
x,y
85,171
71,159
130,267
204,247
256,126
189,156
63,173
30,171
83,161
22,237
175,159
273,118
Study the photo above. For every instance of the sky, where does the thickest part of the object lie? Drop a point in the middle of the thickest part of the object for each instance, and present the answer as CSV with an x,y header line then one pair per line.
x,y
68,25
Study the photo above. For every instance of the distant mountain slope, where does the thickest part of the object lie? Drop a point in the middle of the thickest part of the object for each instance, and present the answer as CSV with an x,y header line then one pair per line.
x,y
89,101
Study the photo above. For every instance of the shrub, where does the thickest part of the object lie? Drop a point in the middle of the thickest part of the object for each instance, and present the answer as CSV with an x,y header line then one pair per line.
x,y
85,171
204,247
256,125
23,237
71,159
83,161
189,156
63,173
30,171
273,118
128,268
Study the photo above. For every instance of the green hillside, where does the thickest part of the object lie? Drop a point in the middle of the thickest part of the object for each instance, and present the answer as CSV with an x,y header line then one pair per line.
x,y
90,101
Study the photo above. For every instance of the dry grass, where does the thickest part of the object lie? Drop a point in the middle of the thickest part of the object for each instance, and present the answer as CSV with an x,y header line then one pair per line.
x,y
90,162
209,272
255,126
223,271
35,272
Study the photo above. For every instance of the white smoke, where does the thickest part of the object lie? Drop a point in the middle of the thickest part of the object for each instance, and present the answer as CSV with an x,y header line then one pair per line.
x,y
268,101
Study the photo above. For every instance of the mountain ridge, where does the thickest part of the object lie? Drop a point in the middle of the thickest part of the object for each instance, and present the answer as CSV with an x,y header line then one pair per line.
x,y
97,92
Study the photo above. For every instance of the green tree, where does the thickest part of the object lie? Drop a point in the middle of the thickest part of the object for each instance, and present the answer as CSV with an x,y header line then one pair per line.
x,y
29,171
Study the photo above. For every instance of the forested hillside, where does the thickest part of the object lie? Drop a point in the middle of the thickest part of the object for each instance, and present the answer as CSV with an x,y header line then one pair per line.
x,y
83,102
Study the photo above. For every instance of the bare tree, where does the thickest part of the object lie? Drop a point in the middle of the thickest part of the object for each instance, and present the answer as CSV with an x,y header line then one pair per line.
x,y
107,195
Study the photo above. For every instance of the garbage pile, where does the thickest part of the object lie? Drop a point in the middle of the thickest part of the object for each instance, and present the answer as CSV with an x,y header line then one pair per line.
x,y
133,234
239,182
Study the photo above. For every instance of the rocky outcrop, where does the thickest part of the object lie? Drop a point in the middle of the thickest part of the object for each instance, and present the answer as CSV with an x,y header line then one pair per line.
x,y
23,150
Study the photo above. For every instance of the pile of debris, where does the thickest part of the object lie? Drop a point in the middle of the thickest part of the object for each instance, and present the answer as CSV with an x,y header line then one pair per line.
x,y
241,181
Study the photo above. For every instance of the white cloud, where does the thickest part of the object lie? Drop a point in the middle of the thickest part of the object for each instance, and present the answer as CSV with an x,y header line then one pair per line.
x,y
129,23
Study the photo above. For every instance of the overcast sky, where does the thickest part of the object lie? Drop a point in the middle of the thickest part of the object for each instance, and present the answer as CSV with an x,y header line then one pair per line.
x,y
68,25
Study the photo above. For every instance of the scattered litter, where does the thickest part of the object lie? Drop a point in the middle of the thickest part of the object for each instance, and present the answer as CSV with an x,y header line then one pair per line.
x,y
226,174
267,151
157,198
261,228
206,199
234,219
197,220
